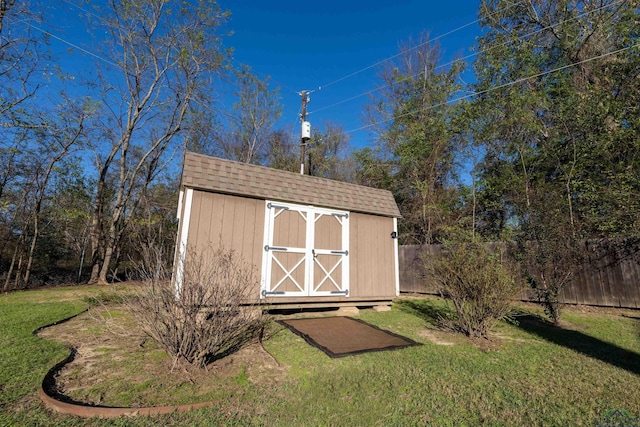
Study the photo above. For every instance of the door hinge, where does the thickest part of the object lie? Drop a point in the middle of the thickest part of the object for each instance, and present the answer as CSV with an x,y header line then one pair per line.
x,y
274,248
271,205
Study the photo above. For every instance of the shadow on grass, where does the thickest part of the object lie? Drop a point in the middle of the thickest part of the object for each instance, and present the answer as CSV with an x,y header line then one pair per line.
x,y
431,311
637,319
582,343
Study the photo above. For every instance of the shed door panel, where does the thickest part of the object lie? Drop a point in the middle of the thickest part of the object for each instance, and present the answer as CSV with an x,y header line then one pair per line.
x,y
306,251
288,272
289,228
330,253
286,249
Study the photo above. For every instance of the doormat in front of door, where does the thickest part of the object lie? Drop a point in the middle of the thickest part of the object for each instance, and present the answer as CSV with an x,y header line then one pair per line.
x,y
344,336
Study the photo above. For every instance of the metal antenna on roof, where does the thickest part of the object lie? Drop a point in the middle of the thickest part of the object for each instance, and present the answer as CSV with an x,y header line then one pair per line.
x,y
305,134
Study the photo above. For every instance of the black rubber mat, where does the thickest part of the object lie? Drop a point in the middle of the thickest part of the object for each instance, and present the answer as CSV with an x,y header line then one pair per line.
x,y
344,336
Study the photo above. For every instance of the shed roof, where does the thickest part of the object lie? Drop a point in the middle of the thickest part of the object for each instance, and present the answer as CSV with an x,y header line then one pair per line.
x,y
226,176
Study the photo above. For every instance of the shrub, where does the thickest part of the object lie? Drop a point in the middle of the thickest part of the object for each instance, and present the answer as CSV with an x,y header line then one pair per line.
x,y
480,281
214,313
549,266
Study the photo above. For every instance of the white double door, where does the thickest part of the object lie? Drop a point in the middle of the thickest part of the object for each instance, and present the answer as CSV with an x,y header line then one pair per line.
x,y
306,251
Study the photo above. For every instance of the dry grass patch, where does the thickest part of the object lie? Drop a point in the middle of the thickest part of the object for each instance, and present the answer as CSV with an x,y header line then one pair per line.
x,y
116,365
436,337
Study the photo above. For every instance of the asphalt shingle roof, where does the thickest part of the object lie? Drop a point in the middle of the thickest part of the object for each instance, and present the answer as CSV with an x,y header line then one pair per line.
x,y
226,176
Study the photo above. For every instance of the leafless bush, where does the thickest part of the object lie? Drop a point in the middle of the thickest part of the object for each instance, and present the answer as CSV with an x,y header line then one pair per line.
x,y
213,312
480,282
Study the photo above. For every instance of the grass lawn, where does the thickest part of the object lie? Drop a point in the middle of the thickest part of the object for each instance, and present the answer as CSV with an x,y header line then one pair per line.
x,y
529,374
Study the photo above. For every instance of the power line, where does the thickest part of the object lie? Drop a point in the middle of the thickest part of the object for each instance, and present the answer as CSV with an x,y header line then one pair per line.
x,y
548,27
491,89
88,12
103,59
382,61
68,43
264,76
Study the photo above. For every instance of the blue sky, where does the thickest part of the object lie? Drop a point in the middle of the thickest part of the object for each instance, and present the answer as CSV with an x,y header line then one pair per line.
x,y
309,45
306,47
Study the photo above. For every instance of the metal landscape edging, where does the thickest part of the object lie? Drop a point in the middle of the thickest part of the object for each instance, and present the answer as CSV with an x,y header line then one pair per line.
x,y
58,402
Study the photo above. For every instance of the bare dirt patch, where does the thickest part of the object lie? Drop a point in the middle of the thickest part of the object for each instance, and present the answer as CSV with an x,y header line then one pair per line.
x,y
447,338
579,308
116,365
436,337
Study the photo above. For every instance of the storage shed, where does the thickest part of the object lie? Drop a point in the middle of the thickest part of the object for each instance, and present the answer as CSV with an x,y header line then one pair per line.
x,y
313,242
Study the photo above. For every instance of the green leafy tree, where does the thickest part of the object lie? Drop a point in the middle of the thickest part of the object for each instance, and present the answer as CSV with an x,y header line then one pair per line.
x,y
418,137
556,111
282,151
558,90
326,153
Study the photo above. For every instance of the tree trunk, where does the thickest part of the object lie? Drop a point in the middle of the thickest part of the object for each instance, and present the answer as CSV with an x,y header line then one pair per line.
x,y
94,233
108,254
12,265
32,249
16,281
82,253
119,205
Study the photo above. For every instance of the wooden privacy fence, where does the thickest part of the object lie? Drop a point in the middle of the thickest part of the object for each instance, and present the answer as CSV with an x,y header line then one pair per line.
x,y
608,276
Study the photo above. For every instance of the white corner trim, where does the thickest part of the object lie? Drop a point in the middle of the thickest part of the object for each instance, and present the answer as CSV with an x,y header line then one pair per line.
x,y
395,256
180,197
265,254
182,241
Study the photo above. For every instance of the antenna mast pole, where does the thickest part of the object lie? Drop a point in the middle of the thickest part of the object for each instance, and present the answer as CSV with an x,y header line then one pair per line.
x,y
306,129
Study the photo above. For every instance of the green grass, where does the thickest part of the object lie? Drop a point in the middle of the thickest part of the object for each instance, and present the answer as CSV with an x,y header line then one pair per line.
x,y
538,375
24,358
525,382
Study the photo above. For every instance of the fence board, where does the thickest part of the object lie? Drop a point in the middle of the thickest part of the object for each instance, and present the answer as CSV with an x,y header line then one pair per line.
x,y
608,276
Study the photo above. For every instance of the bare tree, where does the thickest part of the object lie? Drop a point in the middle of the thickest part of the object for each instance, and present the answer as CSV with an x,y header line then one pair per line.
x,y
282,151
250,122
19,59
166,54
58,133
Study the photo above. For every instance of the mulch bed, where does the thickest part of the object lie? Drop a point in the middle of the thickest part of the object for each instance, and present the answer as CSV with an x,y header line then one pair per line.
x,y
345,336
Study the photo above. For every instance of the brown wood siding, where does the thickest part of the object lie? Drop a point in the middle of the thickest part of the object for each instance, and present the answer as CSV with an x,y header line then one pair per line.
x,y
234,223
371,253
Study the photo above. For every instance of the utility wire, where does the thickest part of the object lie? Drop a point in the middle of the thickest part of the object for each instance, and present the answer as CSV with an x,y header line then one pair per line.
x,y
382,61
502,86
265,76
88,12
101,18
369,92
68,43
